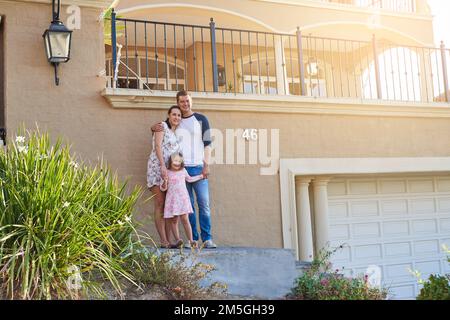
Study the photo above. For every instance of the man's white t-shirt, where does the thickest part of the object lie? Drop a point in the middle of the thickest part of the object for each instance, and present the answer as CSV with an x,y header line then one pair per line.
x,y
193,135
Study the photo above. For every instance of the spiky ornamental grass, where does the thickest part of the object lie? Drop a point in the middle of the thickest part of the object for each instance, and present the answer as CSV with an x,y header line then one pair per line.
x,y
56,216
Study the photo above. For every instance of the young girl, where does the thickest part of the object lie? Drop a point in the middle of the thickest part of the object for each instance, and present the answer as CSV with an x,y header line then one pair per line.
x,y
178,204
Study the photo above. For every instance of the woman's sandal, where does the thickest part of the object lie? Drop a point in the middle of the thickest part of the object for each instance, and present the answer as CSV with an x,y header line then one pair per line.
x,y
194,244
177,245
165,246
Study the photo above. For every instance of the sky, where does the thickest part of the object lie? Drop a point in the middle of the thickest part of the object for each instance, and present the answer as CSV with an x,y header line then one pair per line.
x,y
441,12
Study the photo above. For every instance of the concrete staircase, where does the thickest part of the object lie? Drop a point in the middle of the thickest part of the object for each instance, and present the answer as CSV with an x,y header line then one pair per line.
x,y
254,272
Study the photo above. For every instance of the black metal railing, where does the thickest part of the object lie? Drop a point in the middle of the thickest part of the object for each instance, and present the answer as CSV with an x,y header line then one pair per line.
x,y
168,56
404,6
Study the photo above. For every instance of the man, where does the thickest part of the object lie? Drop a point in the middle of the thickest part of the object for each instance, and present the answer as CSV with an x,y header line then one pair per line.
x,y
195,140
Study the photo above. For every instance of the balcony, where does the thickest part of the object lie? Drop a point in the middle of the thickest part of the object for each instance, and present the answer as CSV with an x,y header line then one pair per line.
x,y
158,56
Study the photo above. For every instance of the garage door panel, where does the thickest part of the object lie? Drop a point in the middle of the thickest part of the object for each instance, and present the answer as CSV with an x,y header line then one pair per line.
x,y
340,232
444,204
421,186
422,206
399,272
428,268
395,229
443,185
398,249
362,187
337,188
338,210
404,291
429,226
364,209
396,223
427,247
366,230
368,253
445,225
394,186
341,257
398,207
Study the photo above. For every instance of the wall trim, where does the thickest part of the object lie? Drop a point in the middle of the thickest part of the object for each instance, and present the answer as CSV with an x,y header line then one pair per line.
x,y
195,6
290,168
161,100
81,3
343,7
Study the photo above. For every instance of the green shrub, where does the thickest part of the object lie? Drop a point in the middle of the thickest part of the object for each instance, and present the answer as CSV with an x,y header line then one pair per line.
x,y
58,215
435,288
319,282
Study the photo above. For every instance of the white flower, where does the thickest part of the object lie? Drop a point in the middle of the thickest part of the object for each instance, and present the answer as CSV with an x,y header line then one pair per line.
x,y
73,164
20,139
22,149
66,204
127,218
121,223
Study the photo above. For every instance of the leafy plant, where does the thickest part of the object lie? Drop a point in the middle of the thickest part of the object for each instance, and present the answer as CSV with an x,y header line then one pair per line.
x,y
59,215
179,275
319,282
437,287
107,18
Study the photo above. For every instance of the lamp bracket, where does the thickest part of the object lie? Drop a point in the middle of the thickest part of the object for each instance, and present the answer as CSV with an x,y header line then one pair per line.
x,y
56,10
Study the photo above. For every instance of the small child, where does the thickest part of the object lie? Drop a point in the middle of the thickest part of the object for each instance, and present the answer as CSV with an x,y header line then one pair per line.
x,y
177,203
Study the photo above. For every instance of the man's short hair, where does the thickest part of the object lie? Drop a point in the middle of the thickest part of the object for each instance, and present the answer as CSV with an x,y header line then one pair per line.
x,y
182,93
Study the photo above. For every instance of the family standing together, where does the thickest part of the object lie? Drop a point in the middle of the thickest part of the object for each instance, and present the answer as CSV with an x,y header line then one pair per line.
x,y
178,167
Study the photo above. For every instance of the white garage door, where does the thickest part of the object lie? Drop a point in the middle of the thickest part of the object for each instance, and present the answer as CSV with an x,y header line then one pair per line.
x,y
395,222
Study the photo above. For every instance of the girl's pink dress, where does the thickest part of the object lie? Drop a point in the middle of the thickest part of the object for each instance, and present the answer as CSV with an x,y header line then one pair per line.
x,y
177,197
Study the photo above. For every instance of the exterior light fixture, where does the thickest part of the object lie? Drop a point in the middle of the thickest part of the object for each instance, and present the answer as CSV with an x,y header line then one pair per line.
x,y
312,68
57,39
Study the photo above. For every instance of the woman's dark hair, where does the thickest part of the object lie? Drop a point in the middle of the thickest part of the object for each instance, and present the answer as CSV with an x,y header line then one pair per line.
x,y
168,112
173,155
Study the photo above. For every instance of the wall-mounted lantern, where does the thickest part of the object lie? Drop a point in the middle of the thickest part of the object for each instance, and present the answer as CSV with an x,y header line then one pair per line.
x,y
221,75
57,40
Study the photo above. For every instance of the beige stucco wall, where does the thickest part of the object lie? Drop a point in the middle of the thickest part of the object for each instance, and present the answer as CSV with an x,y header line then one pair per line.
x,y
246,206
312,17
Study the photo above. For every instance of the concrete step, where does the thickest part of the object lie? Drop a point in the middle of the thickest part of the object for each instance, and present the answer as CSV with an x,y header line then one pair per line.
x,y
256,272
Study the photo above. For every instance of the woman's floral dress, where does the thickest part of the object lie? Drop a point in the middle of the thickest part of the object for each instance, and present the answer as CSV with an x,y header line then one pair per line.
x,y
169,146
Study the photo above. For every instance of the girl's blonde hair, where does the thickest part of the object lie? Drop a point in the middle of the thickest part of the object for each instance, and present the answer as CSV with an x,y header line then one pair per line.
x,y
173,155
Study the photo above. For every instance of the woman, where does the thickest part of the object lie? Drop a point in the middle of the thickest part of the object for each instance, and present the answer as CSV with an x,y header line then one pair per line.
x,y
164,144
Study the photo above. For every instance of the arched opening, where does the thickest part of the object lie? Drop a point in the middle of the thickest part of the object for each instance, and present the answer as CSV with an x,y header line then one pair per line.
x,y
144,71
400,74
260,77
405,74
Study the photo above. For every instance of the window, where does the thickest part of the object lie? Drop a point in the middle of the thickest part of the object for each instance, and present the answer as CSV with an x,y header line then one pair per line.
x,y
151,73
265,81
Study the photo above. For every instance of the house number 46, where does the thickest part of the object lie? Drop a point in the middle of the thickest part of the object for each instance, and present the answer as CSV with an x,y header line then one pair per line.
x,y
250,134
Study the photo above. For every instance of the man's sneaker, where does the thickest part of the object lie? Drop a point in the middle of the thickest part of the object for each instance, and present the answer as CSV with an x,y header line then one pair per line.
x,y
208,244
